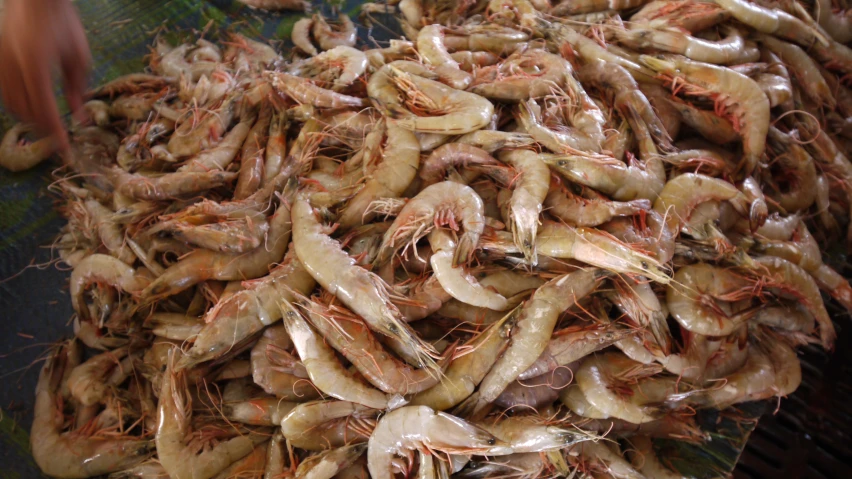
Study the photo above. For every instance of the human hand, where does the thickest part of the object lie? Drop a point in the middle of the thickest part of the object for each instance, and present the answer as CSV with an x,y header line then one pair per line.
x,y
36,37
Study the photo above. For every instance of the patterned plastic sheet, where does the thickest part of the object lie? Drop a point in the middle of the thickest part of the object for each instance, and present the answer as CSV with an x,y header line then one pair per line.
x,y
34,302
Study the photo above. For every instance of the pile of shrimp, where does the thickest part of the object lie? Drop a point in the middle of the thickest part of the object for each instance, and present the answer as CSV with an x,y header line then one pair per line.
x,y
526,241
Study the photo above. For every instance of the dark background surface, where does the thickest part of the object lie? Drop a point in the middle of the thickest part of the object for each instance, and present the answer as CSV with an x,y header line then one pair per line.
x,y
35,309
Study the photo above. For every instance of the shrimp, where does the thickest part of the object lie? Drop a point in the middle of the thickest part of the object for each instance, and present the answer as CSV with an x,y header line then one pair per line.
x,y
360,290
450,155
103,270
306,419
174,413
350,336
587,6
251,156
69,454
268,411
18,155
323,367
572,344
416,427
328,38
612,177
683,193
389,180
492,140
598,454
733,93
529,74
201,265
456,112
303,91
584,134
837,24
727,51
591,246
793,281
301,35
430,46
168,186
536,392
290,385
774,21
531,434
593,211
686,301
328,463
467,371
445,203
645,460
457,282
109,231
132,83
534,326
90,381
528,194
803,68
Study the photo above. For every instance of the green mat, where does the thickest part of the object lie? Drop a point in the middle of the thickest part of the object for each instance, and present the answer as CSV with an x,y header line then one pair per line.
x,y
34,305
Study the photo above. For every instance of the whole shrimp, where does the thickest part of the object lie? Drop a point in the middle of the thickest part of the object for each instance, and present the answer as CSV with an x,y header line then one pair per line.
x,y
71,455
612,177
18,155
415,427
733,92
456,281
774,21
430,45
528,194
687,298
307,419
445,203
534,325
360,290
290,384
451,155
328,38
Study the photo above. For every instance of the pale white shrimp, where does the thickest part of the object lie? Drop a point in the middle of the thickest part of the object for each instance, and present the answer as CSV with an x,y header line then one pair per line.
x,y
457,282
17,155
340,67
645,459
301,35
276,371
323,367
493,140
584,134
612,177
360,290
528,74
687,302
528,194
303,91
267,411
326,465
598,453
223,154
106,270
109,231
90,381
456,111
531,433
534,326
430,45
71,455
305,419
415,427
328,38
442,204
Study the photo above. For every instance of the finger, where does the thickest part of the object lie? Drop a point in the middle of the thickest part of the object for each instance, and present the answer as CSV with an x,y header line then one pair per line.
x,y
74,62
12,88
40,99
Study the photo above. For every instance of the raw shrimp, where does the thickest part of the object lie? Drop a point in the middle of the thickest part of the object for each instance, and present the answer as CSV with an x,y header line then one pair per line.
x,y
528,194
90,381
578,211
360,290
534,325
301,35
773,22
572,344
340,67
613,464
109,232
451,155
586,6
174,423
492,140
733,93
323,367
290,384
389,180
303,91
612,177
645,460
456,112
687,298
201,265
201,131
168,186
535,392
585,132
445,203
599,249
251,156
727,51
328,38
531,433
102,270
132,83
430,46
350,336
276,148
837,24
71,455
803,68
466,371
415,427
327,464
306,419
456,281
529,74
18,155
683,193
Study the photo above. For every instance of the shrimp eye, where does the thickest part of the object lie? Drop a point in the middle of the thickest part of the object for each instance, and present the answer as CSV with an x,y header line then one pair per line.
x,y
562,162
644,265
492,441
393,329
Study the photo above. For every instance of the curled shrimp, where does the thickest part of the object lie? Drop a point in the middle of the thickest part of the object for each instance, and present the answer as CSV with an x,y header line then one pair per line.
x,y
534,326
223,154
307,419
529,74
18,155
301,35
609,176
450,155
733,92
430,46
290,384
363,292
103,270
415,427
442,109
692,284
340,67
329,38
593,211
445,203
303,91
457,282
328,463
67,454
584,131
